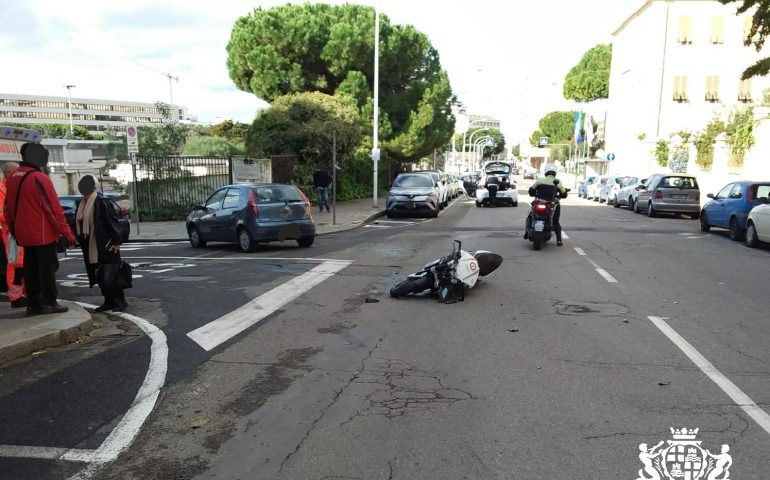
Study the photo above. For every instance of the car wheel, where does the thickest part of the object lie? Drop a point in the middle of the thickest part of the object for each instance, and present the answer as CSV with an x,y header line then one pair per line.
x,y
305,242
650,210
389,214
515,204
631,203
736,233
704,222
615,202
245,242
751,235
434,213
196,241
478,204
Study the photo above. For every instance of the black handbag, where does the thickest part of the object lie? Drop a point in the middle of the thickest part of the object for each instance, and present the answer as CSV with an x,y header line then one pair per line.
x,y
126,275
114,276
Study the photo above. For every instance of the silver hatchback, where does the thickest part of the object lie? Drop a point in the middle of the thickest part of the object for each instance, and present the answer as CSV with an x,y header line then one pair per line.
x,y
670,193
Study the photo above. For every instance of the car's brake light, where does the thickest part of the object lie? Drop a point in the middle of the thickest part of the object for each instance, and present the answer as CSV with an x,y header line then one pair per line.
x,y
122,212
658,195
253,204
697,196
308,206
513,186
482,186
637,188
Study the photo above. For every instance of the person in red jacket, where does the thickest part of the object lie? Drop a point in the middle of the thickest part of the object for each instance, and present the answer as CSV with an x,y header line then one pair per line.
x,y
14,270
36,218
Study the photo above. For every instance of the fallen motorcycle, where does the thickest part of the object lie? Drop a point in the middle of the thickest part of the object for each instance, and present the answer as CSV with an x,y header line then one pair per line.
x,y
449,276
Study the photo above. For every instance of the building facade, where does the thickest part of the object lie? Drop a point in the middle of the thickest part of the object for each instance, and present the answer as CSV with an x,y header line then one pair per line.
x,y
95,115
676,64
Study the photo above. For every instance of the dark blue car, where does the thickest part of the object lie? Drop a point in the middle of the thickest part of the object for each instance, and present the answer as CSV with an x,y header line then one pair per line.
x,y
731,206
248,214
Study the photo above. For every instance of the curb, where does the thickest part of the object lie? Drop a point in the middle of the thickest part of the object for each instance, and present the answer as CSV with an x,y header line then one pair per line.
x,y
55,331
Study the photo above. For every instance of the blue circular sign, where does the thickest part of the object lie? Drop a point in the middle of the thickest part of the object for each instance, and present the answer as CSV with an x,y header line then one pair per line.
x,y
610,157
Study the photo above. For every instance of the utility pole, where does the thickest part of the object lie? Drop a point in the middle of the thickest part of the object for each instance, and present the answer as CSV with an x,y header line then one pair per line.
x,y
376,123
69,101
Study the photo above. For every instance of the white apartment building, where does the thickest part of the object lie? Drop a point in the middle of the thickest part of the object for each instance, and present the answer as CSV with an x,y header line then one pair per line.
x,y
675,64
95,115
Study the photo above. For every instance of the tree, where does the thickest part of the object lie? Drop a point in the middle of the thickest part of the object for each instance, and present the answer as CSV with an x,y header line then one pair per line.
x,y
589,80
163,140
760,29
559,127
330,49
498,140
235,132
302,124
209,146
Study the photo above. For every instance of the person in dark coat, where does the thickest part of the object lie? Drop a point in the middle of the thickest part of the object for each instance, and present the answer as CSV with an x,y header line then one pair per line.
x,y
493,183
321,183
99,234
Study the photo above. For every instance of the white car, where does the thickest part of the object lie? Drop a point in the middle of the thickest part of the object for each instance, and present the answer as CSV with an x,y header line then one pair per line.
x,y
595,188
507,194
629,193
610,190
758,224
439,178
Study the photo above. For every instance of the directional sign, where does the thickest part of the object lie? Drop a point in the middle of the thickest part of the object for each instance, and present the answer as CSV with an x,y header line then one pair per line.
x,y
543,141
610,157
132,139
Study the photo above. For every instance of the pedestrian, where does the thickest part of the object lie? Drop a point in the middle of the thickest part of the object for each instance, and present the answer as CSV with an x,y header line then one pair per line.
x,y
36,218
14,273
321,185
99,234
493,183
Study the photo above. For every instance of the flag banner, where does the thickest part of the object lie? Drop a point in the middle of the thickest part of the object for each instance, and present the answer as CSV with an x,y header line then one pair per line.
x,y
588,127
578,128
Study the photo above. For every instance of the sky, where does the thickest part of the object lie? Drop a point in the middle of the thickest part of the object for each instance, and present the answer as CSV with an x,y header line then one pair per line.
x,y
505,58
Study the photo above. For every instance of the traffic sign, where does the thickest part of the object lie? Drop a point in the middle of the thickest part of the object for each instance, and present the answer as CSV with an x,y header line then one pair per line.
x,y
610,157
543,141
132,139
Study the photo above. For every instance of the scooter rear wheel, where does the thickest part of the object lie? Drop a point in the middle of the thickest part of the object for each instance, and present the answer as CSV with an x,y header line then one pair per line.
x,y
411,285
537,239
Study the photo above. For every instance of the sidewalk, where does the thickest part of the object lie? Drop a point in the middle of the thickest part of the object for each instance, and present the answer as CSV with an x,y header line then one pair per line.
x,y
349,214
21,335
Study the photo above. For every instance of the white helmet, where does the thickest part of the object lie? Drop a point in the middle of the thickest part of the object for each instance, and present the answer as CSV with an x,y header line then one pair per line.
x,y
550,168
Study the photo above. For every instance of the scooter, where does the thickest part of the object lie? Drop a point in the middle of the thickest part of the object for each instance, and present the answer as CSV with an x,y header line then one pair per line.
x,y
540,219
449,276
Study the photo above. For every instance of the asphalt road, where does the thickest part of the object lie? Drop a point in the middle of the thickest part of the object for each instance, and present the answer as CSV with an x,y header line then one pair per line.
x,y
553,367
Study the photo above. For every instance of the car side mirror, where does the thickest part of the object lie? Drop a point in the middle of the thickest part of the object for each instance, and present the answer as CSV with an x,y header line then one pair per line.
x,y
710,195
199,208
435,184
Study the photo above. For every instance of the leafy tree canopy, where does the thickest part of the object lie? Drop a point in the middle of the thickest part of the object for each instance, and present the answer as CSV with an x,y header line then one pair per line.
x,y
302,124
760,29
589,80
498,140
330,49
559,127
166,139
233,131
210,146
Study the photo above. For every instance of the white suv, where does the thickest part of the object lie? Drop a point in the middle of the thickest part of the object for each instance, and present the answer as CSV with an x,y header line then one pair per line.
x,y
507,194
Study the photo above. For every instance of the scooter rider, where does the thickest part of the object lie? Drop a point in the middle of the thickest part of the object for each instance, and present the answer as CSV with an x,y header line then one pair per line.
x,y
549,179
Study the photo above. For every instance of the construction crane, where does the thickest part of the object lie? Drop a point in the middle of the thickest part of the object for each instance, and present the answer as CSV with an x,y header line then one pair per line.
x,y
167,75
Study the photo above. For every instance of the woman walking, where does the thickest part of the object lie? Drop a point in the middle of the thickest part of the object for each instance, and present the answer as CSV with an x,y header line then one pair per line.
x,y
100,237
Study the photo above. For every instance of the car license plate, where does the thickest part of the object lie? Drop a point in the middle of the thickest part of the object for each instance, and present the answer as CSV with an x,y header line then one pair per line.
x,y
675,195
539,225
409,204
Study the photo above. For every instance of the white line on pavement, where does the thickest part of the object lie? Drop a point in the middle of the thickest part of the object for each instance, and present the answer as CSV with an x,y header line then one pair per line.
x,y
224,328
564,234
240,257
741,399
580,252
606,275
121,437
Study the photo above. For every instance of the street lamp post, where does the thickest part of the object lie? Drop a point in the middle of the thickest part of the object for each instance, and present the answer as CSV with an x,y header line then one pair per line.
x,y
480,144
466,132
471,142
375,148
69,101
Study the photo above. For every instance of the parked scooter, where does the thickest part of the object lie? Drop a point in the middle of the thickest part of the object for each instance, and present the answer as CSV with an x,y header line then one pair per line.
x,y
540,219
449,276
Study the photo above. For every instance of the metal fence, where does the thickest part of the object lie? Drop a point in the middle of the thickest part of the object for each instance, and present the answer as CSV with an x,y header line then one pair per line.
x,y
168,187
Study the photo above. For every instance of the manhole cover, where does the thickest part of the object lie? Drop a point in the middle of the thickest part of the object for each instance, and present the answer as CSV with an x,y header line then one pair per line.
x,y
590,308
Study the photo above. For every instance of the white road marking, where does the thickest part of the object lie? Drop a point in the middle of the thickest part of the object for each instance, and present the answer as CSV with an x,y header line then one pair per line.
x,y
694,238
376,226
226,327
564,235
741,399
241,257
606,275
121,437
580,252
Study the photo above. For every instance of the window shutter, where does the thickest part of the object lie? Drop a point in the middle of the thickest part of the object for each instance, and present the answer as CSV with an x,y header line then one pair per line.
x,y
718,30
712,88
685,30
744,92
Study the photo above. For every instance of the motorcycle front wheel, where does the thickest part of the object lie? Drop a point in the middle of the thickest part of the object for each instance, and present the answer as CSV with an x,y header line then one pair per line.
x,y
537,239
412,285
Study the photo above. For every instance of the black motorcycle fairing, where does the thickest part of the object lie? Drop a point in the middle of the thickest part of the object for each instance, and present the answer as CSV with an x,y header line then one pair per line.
x,y
488,261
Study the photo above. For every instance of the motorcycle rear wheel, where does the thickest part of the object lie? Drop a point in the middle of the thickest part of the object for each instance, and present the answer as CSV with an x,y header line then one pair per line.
x,y
537,239
411,285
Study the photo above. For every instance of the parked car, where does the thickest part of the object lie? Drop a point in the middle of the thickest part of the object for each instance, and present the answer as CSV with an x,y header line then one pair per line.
x,y
470,183
731,206
442,186
584,184
248,214
70,205
592,190
669,193
629,192
609,191
413,194
758,223
530,173
507,192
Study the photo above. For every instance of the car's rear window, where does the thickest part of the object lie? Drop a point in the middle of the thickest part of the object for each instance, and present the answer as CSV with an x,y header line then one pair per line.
x,y
277,193
68,203
678,182
498,168
761,191
413,181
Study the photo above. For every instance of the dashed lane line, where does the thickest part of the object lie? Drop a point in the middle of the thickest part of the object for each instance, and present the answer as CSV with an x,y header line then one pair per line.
x,y
580,252
741,399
